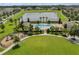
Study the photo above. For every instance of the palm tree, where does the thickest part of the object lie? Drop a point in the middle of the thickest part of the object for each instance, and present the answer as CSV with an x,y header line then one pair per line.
x,y
43,18
21,25
40,19
48,30
65,26
28,20
69,20
38,22
60,22
30,30
31,27
46,19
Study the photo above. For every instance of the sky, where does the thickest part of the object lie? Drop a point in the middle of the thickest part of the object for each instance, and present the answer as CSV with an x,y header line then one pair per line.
x,y
18,4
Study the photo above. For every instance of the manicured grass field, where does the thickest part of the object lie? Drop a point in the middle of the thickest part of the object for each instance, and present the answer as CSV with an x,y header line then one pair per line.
x,y
45,45
10,28
63,17
1,49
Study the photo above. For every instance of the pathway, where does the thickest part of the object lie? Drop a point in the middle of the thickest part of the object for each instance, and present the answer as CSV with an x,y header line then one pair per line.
x,y
9,48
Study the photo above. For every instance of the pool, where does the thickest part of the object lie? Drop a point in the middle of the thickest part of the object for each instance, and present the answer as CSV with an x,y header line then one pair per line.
x,y
42,25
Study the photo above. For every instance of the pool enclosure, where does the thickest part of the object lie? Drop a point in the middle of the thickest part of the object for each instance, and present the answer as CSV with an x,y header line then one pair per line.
x,y
41,17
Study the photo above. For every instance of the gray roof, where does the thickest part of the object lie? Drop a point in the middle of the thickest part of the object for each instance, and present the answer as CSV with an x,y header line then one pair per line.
x,y
29,8
52,16
0,19
38,8
70,24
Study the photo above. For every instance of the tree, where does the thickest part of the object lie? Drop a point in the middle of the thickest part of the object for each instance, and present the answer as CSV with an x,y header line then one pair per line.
x,y
38,22
65,26
65,32
21,25
40,19
15,20
48,30
30,30
69,20
16,39
43,19
72,32
11,20
28,20
30,27
48,21
37,29
16,29
52,29
2,27
77,30
60,22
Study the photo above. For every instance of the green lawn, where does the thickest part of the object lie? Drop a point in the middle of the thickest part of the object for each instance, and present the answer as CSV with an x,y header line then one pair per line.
x,y
30,11
10,28
63,17
1,49
45,45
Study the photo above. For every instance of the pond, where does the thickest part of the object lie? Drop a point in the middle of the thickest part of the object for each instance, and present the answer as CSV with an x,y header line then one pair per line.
x,y
40,16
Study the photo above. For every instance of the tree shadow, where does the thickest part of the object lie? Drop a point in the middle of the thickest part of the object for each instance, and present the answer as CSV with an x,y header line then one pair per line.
x,y
16,46
2,32
10,24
